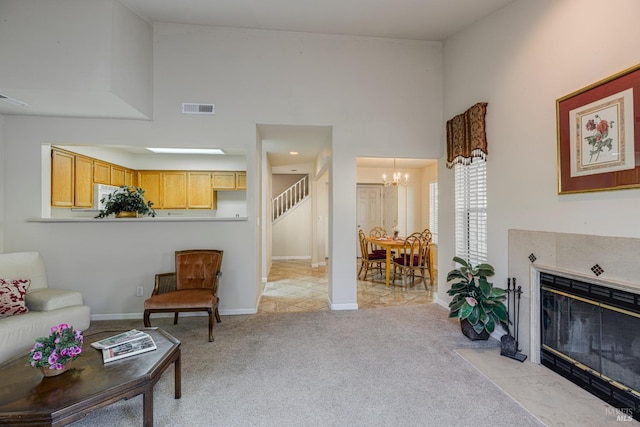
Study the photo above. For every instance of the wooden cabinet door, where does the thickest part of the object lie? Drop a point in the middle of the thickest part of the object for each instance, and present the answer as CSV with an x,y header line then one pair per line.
x,y
62,178
117,175
150,182
223,180
83,196
129,178
174,190
199,191
101,172
241,180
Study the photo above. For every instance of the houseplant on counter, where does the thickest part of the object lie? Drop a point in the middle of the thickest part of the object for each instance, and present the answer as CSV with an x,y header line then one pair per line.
x,y
126,200
477,304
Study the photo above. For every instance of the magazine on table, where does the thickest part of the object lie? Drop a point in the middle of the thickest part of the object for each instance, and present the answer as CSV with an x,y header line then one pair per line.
x,y
134,346
118,339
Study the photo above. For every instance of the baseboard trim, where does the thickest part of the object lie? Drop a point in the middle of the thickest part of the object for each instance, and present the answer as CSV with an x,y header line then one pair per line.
x,y
341,307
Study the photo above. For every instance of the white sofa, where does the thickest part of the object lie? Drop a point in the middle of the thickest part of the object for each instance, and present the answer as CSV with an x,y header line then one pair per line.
x,y
47,306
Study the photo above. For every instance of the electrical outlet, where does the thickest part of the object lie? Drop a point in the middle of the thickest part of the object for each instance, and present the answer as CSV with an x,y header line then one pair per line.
x,y
139,291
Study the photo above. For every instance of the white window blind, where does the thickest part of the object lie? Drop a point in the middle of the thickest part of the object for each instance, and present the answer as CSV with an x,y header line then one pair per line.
x,y
471,211
433,210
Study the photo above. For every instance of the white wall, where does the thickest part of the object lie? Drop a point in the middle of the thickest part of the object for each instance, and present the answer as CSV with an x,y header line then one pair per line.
x,y
3,158
77,58
381,97
291,236
520,60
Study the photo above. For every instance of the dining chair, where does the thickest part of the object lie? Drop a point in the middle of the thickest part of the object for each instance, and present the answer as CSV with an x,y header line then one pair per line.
x,y
410,261
428,236
378,231
192,287
369,258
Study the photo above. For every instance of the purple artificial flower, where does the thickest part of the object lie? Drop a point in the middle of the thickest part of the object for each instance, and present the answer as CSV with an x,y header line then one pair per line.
x,y
75,350
37,355
53,358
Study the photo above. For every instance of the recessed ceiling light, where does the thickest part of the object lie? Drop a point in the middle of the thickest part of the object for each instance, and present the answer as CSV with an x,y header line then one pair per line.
x,y
186,150
293,153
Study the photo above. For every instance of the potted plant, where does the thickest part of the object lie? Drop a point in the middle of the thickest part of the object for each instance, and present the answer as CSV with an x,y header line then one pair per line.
x,y
53,354
477,304
126,200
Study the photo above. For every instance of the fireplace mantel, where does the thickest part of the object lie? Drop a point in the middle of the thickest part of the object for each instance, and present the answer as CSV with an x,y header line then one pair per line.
x,y
571,255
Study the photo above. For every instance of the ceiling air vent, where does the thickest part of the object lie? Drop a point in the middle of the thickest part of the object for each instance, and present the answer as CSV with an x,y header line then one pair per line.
x,y
193,108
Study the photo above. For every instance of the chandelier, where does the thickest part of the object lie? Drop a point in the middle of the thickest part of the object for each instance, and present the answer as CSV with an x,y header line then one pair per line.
x,y
397,177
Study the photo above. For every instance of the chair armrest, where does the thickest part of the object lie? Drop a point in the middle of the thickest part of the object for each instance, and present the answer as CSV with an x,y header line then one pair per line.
x,y
165,282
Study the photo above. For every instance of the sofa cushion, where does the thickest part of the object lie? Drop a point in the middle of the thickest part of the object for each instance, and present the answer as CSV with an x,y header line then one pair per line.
x,y
24,265
12,293
52,299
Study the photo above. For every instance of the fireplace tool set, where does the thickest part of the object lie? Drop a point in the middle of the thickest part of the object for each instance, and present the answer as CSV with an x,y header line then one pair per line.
x,y
509,343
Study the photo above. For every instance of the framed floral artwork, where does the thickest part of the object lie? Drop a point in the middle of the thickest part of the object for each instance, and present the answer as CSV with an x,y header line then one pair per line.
x,y
599,135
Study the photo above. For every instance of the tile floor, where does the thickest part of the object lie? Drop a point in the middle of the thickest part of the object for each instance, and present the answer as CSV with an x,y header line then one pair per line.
x,y
295,286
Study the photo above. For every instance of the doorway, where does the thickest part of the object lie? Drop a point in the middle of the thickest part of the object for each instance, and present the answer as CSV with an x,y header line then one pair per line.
x,y
369,209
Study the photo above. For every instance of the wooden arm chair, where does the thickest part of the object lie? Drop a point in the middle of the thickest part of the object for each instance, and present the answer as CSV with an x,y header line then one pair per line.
x,y
411,261
378,231
428,236
369,258
193,287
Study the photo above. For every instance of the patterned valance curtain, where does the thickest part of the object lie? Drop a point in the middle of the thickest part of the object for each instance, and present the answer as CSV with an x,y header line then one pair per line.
x,y
466,136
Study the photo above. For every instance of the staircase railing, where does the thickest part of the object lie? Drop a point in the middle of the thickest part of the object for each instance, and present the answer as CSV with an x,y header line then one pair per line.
x,y
290,197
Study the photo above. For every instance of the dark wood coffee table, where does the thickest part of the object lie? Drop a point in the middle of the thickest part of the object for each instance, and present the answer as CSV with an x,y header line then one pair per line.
x,y
27,398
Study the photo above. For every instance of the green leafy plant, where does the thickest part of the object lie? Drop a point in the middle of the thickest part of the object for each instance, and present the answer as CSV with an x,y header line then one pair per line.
x,y
63,345
474,297
126,199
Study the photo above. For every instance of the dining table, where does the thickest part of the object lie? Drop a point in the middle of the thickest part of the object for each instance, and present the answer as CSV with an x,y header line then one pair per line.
x,y
390,243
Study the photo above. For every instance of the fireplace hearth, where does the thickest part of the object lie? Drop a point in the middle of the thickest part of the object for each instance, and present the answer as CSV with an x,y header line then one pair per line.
x,y
590,334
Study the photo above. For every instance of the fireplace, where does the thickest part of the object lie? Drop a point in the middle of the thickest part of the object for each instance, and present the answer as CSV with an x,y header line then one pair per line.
x,y
590,334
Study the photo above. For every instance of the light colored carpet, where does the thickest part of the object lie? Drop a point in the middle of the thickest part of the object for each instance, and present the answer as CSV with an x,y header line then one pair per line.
x,y
394,366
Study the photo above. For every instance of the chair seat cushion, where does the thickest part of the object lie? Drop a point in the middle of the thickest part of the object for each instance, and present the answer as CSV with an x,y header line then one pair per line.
x,y
376,256
187,299
406,261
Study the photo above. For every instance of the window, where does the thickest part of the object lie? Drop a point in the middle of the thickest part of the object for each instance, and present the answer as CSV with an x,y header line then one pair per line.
x,y
433,210
471,211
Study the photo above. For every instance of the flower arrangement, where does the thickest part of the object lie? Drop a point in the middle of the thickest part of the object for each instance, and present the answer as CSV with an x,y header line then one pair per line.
x,y
126,199
63,345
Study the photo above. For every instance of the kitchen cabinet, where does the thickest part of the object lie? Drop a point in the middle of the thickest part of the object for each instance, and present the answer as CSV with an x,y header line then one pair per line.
x,y
83,182
129,178
62,178
223,180
229,180
241,180
200,195
150,182
101,172
174,190
116,175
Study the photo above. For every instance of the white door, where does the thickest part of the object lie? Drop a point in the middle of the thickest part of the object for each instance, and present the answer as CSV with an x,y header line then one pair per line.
x,y
390,208
369,208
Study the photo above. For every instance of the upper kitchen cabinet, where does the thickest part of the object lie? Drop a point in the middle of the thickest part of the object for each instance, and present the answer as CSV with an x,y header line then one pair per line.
x,y
229,180
101,172
62,178
83,188
200,194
